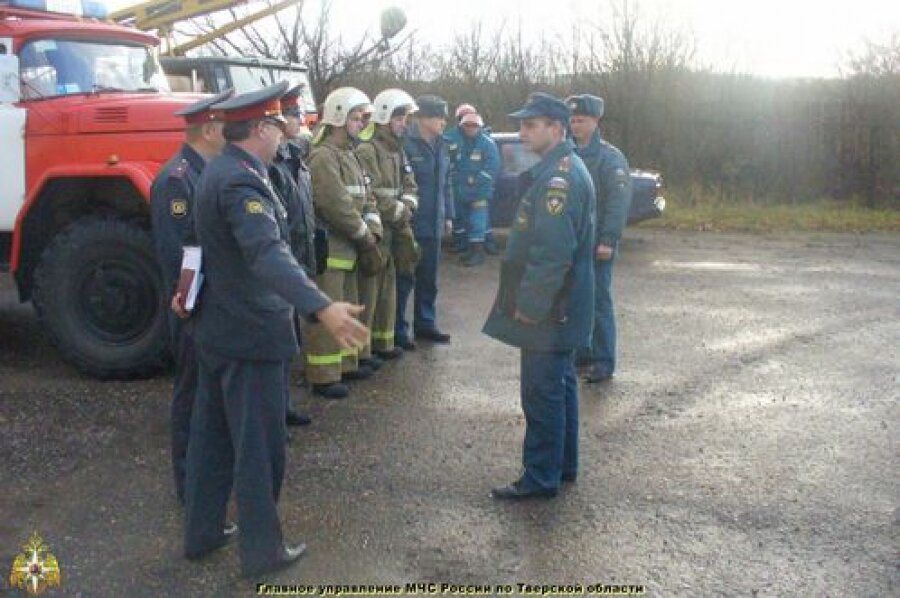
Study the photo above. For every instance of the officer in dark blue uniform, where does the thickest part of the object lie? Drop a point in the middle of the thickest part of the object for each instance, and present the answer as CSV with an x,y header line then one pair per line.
x,y
290,177
172,210
544,302
244,335
612,182
426,150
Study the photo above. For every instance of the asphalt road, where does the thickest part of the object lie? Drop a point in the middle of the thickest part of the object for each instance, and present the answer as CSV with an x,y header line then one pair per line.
x,y
748,445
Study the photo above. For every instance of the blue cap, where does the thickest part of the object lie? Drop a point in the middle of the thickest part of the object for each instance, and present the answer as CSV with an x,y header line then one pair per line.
x,y
543,104
200,112
586,105
431,106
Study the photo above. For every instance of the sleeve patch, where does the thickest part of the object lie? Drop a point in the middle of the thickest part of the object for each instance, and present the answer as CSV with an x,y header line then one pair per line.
x,y
254,206
178,208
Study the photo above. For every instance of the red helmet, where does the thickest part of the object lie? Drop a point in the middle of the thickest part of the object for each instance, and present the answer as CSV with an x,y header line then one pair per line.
x,y
464,109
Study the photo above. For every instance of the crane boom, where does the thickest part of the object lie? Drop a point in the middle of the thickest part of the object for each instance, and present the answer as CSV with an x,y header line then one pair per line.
x,y
162,15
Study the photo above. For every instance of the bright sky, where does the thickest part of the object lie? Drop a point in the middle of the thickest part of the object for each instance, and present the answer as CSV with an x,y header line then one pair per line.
x,y
775,38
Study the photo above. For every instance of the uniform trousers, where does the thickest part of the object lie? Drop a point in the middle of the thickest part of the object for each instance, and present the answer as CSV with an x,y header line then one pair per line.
x,y
325,360
237,442
602,353
183,393
381,313
424,288
549,392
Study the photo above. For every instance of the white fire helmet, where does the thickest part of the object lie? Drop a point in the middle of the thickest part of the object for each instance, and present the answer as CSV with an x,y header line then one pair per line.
x,y
390,100
341,102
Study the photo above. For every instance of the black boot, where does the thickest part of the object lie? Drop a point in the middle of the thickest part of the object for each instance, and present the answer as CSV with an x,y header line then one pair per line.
x,y
334,390
363,372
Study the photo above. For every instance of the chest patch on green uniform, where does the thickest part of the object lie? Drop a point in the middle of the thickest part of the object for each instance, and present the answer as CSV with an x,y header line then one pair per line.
x,y
556,203
178,208
476,156
254,206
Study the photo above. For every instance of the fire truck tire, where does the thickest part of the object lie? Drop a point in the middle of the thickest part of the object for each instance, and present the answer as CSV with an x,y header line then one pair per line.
x,y
98,293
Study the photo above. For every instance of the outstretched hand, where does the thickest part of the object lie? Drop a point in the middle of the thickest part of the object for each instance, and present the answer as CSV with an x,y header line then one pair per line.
x,y
341,321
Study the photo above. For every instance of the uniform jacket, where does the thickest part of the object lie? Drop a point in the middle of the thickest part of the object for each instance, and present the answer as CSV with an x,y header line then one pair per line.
x,y
475,165
431,167
252,281
612,181
290,177
342,200
547,272
393,183
172,207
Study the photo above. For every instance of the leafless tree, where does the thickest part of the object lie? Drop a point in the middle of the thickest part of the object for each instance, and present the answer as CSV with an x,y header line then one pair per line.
x,y
290,35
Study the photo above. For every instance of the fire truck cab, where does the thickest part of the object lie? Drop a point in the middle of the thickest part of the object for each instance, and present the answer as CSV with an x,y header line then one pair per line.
x,y
86,121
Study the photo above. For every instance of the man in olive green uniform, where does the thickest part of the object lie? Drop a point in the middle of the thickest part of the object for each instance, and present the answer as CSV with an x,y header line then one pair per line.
x,y
395,192
345,208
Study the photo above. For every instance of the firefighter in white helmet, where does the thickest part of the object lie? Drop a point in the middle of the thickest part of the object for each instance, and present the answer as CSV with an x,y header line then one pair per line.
x,y
395,191
347,210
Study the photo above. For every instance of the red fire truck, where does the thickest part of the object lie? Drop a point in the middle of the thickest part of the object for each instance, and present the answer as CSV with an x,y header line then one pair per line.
x,y
86,120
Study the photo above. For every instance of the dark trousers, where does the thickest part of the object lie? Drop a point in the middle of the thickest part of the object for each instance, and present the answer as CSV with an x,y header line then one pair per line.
x,y
288,400
549,388
237,441
603,341
423,285
461,223
183,393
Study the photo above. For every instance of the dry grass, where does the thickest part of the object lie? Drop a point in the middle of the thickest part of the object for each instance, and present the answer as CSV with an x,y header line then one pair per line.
x,y
692,211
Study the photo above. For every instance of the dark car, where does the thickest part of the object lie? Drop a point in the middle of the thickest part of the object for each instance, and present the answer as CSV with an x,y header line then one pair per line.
x,y
646,200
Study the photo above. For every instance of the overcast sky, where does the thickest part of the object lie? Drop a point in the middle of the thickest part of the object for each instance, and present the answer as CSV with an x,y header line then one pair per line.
x,y
775,38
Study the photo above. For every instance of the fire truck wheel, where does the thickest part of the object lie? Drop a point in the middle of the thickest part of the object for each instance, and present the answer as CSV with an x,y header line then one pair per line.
x,y
98,292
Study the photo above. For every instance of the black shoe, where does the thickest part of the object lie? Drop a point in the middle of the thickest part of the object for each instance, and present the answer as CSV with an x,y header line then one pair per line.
x,y
515,491
434,335
406,344
334,390
596,373
392,353
295,418
363,372
286,557
570,478
373,363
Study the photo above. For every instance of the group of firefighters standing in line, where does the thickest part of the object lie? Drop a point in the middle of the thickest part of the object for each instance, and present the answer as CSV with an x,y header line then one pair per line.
x,y
328,238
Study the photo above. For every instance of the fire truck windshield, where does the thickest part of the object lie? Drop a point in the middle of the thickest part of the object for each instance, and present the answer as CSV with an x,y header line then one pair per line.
x,y
57,67
246,78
